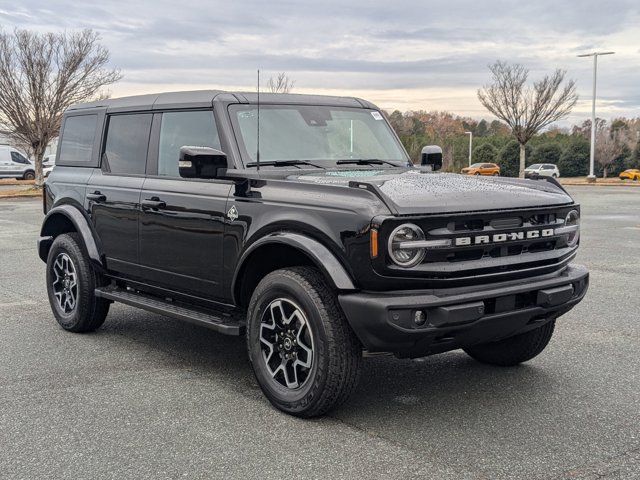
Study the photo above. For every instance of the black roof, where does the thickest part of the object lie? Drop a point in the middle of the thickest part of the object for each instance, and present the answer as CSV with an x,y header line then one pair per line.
x,y
205,98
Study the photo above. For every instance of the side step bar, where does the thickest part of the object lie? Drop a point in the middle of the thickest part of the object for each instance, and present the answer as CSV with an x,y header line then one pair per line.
x,y
223,323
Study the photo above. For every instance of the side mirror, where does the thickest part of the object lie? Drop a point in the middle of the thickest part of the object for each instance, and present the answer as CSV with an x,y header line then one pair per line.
x,y
202,162
432,155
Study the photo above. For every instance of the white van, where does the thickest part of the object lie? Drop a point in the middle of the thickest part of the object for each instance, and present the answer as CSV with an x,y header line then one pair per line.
x,y
15,164
48,162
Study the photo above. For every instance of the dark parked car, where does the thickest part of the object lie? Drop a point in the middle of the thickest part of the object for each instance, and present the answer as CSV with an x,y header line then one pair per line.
x,y
300,223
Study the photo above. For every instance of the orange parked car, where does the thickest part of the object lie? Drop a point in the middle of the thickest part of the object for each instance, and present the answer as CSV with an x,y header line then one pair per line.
x,y
630,174
482,169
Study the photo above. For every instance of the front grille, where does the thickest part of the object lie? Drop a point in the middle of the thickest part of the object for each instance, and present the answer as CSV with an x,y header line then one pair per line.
x,y
475,227
488,259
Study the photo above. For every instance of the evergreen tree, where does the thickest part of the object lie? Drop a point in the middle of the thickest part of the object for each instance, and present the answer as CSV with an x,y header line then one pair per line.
x,y
634,159
482,130
574,161
509,159
485,153
545,153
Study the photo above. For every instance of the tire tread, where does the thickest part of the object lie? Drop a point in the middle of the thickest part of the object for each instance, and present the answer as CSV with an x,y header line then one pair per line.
x,y
91,310
345,352
514,350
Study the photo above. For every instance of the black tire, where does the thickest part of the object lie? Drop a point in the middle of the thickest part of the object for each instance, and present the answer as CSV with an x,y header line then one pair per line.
x,y
336,357
554,175
88,311
513,350
29,175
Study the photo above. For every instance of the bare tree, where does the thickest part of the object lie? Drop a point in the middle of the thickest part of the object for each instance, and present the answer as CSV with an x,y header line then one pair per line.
x,y
610,145
527,109
281,83
43,74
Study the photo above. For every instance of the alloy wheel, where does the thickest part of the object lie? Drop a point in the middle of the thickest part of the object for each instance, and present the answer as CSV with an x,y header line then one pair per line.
x,y
286,342
65,283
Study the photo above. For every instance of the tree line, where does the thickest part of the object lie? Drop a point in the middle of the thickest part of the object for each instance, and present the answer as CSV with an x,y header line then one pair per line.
x,y
617,143
41,74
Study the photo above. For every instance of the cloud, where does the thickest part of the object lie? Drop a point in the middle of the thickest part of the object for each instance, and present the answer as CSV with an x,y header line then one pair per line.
x,y
418,54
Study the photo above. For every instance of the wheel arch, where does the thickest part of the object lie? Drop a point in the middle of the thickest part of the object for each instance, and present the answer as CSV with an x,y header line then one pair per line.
x,y
280,250
66,219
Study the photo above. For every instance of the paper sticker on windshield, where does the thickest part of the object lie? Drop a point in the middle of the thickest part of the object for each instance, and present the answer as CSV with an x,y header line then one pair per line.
x,y
376,115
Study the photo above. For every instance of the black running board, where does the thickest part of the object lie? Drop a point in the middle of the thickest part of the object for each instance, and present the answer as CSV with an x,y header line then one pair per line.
x,y
223,323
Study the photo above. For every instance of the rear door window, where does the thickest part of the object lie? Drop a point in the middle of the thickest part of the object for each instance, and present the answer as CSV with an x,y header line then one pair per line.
x,y
77,139
125,150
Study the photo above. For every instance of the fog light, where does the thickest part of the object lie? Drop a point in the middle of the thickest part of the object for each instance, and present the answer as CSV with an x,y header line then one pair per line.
x,y
419,317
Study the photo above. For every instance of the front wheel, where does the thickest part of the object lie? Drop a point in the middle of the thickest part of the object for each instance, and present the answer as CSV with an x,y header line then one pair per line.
x,y
71,283
513,350
305,356
29,175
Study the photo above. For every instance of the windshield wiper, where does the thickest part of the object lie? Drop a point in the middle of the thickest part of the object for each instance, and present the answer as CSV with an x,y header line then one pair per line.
x,y
283,163
366,161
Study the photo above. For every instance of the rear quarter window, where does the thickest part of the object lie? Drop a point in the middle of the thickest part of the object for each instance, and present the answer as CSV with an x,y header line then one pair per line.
x,y
78,137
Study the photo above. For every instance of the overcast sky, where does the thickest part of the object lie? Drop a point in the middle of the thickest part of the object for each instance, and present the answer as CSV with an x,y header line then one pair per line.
x,y
405,55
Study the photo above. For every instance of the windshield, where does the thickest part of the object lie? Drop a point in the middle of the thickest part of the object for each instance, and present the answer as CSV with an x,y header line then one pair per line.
x,y
319,134
535,166
476,165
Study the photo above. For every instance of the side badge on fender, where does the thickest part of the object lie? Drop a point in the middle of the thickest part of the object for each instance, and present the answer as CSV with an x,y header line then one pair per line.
x,y
233,213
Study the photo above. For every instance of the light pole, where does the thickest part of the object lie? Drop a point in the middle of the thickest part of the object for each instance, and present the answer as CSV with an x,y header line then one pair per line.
x,y
592,177
470,144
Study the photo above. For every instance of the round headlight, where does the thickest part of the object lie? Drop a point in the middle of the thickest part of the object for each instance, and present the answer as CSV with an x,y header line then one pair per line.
x,y
573,220
400,249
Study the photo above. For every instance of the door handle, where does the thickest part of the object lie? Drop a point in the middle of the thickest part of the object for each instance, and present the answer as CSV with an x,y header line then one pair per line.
x,y
154,203
96,196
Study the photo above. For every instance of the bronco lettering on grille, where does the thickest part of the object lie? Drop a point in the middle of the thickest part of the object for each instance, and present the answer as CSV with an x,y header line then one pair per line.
x,y
504,237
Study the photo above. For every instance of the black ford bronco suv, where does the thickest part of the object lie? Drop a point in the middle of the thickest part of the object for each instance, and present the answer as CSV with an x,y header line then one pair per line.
x,y
300,222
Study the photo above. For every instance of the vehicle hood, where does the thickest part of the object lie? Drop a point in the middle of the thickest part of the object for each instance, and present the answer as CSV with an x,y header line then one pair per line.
x,y
412,191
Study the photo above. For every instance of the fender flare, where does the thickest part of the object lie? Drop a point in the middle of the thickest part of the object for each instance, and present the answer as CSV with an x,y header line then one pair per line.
x,y
319,254
81,225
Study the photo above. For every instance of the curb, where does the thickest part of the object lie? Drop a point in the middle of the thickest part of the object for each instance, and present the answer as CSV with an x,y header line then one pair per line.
x,y
28,195
596,184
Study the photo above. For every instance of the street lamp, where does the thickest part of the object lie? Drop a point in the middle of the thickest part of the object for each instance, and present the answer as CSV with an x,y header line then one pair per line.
x,y
592,177
470,144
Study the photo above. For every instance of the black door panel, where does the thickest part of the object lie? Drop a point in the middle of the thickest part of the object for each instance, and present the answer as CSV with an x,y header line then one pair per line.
x,y
114,203
181,228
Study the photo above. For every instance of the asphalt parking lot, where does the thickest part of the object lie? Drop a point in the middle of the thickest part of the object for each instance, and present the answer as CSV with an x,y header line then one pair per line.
x,y
151,397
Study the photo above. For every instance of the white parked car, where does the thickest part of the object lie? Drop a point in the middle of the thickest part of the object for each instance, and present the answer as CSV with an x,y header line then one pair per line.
x,y
542,170
48,163
15,164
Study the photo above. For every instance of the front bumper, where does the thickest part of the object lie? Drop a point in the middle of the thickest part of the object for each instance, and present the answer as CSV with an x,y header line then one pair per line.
x,y
461,317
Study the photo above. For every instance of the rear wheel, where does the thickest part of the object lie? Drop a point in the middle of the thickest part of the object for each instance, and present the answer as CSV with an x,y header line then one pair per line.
x,y
513,350
71,283
306,358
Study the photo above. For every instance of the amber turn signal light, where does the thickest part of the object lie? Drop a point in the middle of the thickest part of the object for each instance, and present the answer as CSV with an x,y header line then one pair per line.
x,y
374,242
